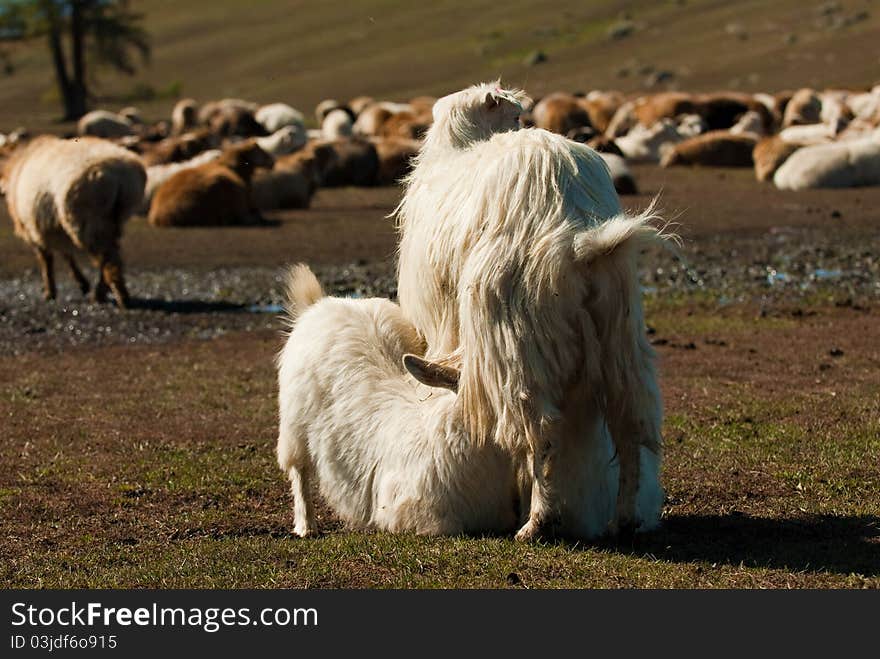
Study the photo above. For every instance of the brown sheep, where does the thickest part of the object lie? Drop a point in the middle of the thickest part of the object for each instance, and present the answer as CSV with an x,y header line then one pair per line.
x,y
351,161
178,148
360,103
236,122
769,154
214,194
649,110
601,107
72,195
407,125
395,158
560,113
290,184
717,148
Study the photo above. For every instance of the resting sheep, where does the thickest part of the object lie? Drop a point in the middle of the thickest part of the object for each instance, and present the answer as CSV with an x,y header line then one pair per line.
x,y
848,164
275,116
337,124
158,174
70,196
101,123
517,262
717,148
213,194
283,141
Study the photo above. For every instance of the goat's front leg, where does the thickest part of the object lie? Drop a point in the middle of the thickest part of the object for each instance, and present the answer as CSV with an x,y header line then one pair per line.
x,y
543,510
47,270
110,278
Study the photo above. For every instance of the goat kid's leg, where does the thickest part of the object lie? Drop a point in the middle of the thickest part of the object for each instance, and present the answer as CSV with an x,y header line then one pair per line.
x,y
543,513
81,280
303,509
47,271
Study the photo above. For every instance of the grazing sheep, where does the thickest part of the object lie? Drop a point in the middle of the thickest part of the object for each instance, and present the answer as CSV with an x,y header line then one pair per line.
x,y
805,107
283,141
214,194
74,195
275,116
770,153
101,123
158,174
384,453
717,148
184,116
848,164
337,124
517,262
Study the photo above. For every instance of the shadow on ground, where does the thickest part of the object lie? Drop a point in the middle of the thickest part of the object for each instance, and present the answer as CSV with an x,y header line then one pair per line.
x,y
839,544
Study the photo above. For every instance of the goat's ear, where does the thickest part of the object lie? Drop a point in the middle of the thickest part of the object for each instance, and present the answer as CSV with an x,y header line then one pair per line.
x,y
431,373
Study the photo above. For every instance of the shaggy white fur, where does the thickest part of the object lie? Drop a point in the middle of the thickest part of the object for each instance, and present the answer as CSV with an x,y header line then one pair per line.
x,y
517,261
386,453
389,453
847,164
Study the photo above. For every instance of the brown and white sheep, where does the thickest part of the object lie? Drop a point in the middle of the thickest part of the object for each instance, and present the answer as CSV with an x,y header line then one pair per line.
x,y
101,123
74,195
184,116
214,194
770,153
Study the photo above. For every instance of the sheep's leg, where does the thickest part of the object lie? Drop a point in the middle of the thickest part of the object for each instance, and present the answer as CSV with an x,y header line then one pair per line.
x,y
81,280
110,278
542,513
303,510
47,270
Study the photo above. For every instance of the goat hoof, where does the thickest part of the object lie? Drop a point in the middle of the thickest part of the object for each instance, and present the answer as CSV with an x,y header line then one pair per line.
x,y
305,533
532,531
625,530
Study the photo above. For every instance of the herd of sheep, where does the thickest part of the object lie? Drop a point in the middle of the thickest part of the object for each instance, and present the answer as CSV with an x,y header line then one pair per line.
x,y
227,162
513,386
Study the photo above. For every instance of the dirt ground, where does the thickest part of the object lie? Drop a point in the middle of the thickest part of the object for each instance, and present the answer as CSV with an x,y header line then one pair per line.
x,y
137,447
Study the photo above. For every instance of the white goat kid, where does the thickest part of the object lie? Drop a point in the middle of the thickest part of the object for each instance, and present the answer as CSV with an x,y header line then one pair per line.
x,y
517,260
386,453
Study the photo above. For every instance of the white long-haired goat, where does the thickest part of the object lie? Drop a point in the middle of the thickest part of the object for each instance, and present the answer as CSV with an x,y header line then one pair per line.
x,y
385,452
517,261
389,453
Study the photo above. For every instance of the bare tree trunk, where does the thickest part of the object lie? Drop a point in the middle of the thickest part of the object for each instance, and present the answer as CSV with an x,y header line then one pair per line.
x,y
77,37
73,98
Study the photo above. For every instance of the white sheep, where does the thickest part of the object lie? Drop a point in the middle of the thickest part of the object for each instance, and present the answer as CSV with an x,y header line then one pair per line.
x,y
849,164
336,125
72,195
388,453
646,143
275,116
517,259
102,123
283,141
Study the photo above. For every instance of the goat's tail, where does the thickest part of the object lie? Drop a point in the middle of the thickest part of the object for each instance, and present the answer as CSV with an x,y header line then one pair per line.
x,y
633,232
303,290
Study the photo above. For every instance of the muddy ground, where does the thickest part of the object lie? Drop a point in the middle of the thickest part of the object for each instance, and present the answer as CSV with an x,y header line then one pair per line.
x,y
137,446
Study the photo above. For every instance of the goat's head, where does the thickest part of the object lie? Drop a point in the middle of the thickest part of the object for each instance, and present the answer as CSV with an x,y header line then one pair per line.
x,y
475,114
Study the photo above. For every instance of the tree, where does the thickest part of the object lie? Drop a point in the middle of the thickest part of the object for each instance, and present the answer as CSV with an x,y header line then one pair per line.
x,y
105,32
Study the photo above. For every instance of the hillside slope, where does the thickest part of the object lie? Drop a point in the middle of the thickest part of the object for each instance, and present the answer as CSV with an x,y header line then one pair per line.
x,y
301,52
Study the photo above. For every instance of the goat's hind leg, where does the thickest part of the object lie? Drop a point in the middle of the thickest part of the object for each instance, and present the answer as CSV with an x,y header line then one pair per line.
x,y
303,508
633,410
543,510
